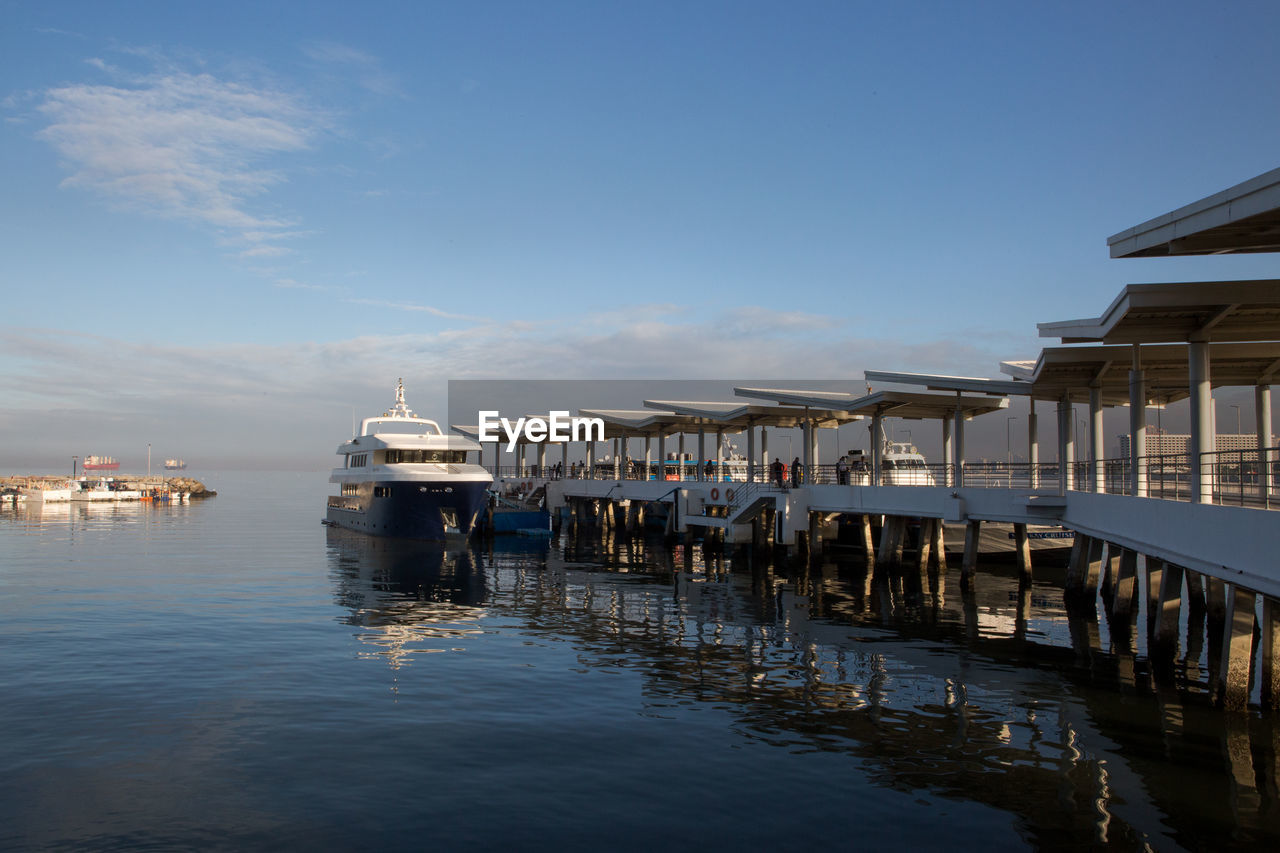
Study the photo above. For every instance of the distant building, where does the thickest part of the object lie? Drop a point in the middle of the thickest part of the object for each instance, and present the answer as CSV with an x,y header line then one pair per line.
x,y
1160,443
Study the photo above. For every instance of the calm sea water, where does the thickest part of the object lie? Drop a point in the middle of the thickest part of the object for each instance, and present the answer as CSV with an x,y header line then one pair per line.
x,y
230,674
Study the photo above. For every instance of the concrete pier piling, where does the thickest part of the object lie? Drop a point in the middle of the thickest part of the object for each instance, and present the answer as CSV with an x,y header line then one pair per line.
x,y
1168,607
1270,641
1232,686
1022,546
1125,584
969,565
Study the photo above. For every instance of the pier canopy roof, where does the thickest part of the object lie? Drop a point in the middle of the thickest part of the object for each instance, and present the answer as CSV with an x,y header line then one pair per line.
x,y
1243,218
1184,311
472,431
1072,371
738,416
937,382
640,423
837,401
911,405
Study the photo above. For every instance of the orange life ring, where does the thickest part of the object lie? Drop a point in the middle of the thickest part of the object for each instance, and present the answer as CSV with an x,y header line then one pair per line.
x,y
715,493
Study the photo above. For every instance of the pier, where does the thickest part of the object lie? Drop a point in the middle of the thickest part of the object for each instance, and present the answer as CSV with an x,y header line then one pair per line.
x,y
1191,533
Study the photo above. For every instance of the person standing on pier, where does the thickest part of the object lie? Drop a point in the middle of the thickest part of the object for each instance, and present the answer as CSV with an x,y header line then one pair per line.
x,y
778,474
842,471
795,472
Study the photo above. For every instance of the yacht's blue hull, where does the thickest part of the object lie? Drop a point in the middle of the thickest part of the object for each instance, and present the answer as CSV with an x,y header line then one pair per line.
x,y
422,510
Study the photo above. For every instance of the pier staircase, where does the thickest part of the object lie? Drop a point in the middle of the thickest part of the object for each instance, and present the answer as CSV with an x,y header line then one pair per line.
x,y
747,502
751,499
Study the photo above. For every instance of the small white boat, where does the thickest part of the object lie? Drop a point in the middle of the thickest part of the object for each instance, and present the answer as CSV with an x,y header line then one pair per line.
x,y
59,494
103,490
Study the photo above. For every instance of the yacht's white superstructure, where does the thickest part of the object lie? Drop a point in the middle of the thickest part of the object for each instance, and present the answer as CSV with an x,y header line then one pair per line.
x,y
901,464
402,476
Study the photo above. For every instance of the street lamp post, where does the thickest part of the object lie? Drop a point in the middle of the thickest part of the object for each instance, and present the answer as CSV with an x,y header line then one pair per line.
x,y
74,460
148,460
1008,440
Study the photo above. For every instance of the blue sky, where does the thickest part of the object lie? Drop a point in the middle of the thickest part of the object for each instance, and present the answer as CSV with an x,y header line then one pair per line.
x,y
233,222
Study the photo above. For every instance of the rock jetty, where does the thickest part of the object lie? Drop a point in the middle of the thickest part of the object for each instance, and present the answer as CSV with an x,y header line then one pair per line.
x,y
174,484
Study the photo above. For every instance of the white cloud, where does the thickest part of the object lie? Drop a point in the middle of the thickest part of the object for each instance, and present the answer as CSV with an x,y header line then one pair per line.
x,y
365,68
410,306
92,393
181,145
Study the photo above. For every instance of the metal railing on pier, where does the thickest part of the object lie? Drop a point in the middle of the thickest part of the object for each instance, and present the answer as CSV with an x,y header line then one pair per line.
x,y
1232,477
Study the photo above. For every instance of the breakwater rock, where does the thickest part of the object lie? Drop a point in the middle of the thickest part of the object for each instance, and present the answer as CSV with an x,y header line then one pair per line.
x,y
196,488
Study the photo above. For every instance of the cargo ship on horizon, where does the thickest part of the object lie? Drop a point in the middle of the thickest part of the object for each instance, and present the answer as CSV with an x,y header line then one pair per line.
x,y
101,463
175,464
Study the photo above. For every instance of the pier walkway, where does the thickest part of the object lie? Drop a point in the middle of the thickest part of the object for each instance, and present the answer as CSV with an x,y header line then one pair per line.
x,y
1195,527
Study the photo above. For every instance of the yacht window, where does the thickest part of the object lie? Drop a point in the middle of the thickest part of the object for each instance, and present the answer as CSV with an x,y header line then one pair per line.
x,y
397,457
382,491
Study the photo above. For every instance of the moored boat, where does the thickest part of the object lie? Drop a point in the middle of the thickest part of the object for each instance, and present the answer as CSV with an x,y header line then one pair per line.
x,y
402,476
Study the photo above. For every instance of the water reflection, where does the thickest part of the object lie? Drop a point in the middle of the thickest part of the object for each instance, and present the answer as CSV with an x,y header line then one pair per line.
x,y
35,514
994,695
408,598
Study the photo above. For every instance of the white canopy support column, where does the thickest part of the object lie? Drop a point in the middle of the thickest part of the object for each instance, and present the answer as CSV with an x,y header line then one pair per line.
x,y
1137,426
680,461
662,456
813,446
1066,446
542,459
591,460
948,452
699,469
764,453
1203,439
957,438
806,427
751,454
1033,444
564,459
1097,467
1262,411
877,448
648,455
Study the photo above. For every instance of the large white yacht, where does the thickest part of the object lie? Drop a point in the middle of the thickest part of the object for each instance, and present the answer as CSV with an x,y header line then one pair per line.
x,y
402,476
